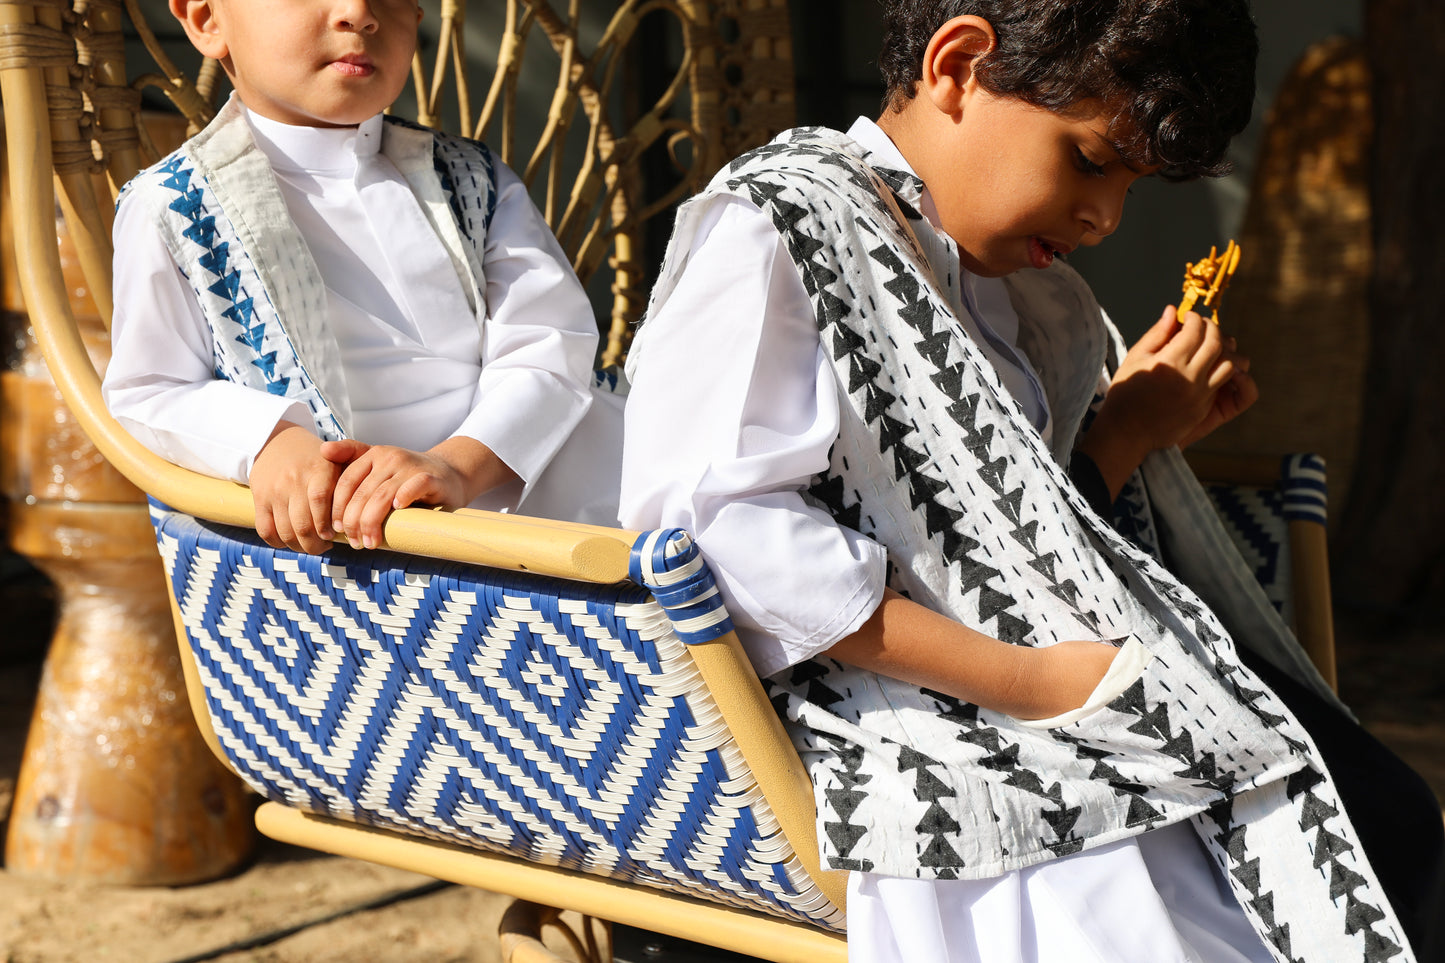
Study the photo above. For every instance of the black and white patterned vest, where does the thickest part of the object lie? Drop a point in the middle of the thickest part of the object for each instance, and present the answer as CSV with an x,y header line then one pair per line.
x,y
937,462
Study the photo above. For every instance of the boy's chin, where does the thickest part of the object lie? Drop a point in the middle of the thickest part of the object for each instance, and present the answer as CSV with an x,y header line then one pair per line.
x,y
984,269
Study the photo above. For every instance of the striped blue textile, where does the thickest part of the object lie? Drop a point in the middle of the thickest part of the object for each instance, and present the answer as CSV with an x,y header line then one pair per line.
x,y
1302,482
668,563
557,721
1257,519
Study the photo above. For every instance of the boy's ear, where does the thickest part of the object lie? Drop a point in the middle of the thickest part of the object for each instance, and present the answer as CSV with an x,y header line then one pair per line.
x,y
203,29
949,60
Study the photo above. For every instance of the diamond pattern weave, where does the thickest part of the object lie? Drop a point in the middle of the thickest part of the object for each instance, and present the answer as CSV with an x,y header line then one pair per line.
x,y
556,721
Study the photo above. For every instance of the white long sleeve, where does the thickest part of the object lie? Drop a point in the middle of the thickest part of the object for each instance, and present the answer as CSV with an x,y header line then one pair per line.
x,y
160,382
733,409
538,341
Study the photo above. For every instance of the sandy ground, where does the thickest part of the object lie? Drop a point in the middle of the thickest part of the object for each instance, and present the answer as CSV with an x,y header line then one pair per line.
x,y
296,906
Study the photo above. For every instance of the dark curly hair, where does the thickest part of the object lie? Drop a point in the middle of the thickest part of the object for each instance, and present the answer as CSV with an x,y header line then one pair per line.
x,y
1180,73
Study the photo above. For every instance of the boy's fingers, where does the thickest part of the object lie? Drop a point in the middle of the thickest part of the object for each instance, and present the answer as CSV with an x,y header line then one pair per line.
x,y
1207,354
1161,331
344,492
373,516
1186,341
266,527
303,529
1222,374
343,452
285,535
414,489
1246,389
360,531
318,501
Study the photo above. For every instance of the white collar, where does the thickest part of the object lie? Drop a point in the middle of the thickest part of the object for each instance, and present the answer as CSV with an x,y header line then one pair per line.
x,y
315,149
986,299
871,138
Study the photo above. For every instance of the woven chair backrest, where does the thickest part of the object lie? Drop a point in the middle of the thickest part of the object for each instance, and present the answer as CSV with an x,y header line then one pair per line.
x,y
557,721
1257,519
71,104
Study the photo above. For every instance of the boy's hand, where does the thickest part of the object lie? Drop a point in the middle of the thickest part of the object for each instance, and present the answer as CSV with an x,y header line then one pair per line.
x,y
1170,380
379,479
291,485
1182,380
1236,394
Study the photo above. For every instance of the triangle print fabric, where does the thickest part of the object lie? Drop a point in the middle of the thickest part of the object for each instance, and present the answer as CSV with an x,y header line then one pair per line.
x,y
228,231
937,462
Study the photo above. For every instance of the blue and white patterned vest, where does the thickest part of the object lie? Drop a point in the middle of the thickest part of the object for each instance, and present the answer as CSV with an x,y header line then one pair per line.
x,y
227,228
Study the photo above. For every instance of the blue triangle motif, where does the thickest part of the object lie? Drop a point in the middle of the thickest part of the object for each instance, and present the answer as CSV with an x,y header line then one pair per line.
x,y
252,336
202,230
227,287
180,179
267,363
215,260
188,204
279,387
240,313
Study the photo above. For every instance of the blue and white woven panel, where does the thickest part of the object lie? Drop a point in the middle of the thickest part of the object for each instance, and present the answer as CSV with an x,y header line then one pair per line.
x,y
557,721
1257,519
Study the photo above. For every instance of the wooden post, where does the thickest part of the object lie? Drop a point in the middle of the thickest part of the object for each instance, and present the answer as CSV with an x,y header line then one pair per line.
x,y
116,784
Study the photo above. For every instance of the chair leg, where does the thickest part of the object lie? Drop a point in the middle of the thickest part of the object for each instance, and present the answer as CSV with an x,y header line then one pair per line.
x,y
522,926
1313,611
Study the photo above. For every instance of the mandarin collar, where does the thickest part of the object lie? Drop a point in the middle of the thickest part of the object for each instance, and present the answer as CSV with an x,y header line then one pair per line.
x,y
315,149
884,157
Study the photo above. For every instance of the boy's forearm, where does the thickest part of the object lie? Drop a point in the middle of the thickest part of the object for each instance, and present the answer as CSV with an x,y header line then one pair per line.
x,y
906,641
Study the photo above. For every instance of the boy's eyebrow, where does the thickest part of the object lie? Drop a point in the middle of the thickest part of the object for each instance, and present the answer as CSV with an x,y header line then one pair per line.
x,y
1119,152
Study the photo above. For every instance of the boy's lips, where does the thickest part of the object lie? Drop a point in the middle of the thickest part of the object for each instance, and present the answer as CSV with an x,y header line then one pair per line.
x,y
1043,251
353,65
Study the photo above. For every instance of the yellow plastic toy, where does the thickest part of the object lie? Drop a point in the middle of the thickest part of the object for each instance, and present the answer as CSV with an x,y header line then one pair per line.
x,y
1206,280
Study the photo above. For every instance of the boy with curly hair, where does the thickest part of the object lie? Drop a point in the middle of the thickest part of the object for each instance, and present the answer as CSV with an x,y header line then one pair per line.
x,y
903,428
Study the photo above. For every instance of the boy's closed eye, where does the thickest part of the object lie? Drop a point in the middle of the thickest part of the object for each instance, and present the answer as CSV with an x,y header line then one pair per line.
x,y
1085,165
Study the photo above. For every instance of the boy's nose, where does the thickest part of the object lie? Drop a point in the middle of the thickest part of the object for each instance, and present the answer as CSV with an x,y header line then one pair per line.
x,y
355,15
1103,212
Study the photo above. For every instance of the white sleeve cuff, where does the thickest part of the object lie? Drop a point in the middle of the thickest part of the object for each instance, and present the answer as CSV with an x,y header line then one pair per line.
x,y
1128,665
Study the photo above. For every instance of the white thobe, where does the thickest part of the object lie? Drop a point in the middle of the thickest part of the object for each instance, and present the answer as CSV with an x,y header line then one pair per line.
x,y
733,409
420,364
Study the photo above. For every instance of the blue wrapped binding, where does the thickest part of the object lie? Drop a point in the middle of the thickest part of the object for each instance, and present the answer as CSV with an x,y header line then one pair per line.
x,y
669,564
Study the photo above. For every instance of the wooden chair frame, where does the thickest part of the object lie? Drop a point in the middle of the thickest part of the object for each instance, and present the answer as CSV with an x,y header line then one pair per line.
x,y
1309,586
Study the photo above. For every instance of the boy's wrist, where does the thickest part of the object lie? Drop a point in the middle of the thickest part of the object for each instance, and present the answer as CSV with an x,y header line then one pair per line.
x,y
1116,448
477,467
287,435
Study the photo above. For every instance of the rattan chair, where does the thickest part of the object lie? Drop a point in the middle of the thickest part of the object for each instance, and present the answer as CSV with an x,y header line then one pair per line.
x,y
552,711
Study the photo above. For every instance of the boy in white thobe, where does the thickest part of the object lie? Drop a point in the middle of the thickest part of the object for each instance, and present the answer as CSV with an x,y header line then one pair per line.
x,y
863,385
311,298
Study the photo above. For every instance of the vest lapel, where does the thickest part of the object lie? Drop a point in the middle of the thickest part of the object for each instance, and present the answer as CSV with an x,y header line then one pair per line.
x,y
238,173
413,151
